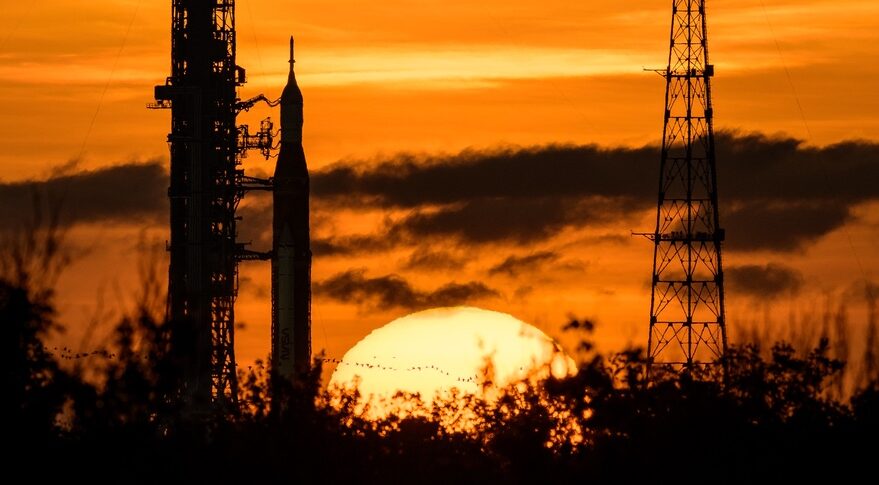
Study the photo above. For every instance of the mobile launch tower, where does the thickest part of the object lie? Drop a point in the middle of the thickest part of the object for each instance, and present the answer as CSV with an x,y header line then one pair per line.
x,y
206,185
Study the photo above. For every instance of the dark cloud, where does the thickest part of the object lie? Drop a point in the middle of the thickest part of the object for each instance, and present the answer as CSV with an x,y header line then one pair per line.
x,y
247,284
781,226
255,225
530,173
355,244
523,292
751,166
392,291
488,220
775,193
769,281
429,259
757,166
134,192
514,265
480,221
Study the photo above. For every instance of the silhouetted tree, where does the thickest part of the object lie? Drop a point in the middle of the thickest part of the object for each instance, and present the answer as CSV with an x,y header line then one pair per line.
x,y
773,416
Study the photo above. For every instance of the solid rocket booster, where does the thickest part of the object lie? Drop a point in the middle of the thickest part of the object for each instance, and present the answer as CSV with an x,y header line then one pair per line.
x,y
291,248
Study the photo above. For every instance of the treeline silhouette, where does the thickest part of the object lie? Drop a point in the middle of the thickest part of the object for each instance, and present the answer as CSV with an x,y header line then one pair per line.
x,y
113,416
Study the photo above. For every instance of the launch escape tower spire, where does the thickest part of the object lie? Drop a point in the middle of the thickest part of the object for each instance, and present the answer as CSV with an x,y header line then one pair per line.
x,y
206,186
687,324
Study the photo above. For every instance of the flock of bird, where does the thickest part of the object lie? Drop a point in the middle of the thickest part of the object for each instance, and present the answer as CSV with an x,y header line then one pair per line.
x,y
65,353
414,368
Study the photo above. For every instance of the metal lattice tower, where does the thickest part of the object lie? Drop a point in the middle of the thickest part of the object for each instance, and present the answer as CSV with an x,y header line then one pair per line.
x,y
687,324
206,187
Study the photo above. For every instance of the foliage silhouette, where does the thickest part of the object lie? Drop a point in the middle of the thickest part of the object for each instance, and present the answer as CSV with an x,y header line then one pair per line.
x,y
775,416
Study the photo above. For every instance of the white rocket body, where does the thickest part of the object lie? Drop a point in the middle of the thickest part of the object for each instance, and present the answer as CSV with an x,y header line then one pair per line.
x,y
291,250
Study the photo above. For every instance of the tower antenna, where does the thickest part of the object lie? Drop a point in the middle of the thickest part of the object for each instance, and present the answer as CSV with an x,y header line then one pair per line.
x,y
687,322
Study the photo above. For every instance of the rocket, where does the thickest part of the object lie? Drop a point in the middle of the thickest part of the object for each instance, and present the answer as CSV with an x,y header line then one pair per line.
x,y
291,248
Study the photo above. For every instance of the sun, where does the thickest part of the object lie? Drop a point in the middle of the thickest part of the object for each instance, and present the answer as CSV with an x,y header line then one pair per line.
x,y
433,351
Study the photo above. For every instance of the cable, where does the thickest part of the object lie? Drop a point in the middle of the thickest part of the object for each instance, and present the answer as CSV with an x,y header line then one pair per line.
x,y
808,130
255,40
109,80
29,6
790,80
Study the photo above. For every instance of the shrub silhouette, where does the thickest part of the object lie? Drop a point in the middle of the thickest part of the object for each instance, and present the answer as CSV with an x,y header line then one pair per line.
x,y
774,417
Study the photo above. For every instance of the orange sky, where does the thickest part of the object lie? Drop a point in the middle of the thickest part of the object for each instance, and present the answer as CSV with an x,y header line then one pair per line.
x,y
439,76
